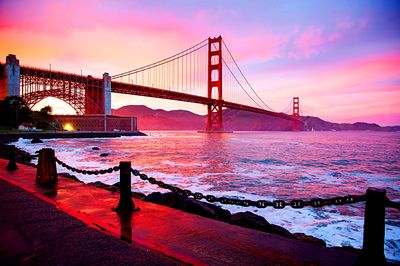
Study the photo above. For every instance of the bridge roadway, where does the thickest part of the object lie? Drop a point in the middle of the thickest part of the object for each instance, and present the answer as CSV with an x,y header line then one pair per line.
x,y
126,88
139,90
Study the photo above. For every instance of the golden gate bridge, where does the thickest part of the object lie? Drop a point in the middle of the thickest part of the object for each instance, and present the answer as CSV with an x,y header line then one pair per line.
x,y
205,73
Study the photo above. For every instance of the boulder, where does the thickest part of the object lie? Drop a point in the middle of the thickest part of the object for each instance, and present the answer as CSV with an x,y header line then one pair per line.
x,y
104,154
167,199
67,175
95,148
36,140
310,239
221,214
254,221
155,197
199,208
138,195
244,219
349,249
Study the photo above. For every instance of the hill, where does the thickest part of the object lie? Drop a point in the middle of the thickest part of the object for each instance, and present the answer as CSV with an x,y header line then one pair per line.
x,y
236,120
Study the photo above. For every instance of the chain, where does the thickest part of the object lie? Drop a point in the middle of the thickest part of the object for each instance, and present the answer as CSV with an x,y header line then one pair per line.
x,y
87,172
277,204
393,204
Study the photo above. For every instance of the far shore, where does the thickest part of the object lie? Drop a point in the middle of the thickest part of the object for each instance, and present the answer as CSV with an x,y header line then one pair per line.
x,y
14,136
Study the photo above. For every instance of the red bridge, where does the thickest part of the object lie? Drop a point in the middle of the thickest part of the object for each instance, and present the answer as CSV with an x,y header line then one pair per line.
x,y
193,75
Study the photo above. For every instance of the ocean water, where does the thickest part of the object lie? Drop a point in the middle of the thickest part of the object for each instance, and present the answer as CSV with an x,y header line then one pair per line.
x,y
259,165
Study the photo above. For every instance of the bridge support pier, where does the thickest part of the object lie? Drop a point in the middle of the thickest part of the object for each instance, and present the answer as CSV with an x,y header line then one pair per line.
x,y
10,78
98,95
214,111
296,114
107,93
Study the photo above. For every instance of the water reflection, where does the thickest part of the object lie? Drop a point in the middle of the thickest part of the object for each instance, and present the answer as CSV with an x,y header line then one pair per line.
x,y
126,226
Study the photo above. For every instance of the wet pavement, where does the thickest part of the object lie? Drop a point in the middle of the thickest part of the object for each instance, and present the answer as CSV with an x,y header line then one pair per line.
x,y
34,232
154,229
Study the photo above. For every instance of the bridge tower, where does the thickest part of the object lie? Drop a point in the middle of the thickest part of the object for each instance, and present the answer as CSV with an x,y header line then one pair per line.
x,y
10,78
98,95
296,113
214,83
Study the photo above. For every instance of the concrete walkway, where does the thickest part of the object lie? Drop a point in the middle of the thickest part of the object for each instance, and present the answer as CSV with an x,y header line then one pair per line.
x,y
186,237
34,232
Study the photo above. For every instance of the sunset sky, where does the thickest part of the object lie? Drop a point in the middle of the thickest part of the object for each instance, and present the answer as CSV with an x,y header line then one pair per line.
x,y
342,58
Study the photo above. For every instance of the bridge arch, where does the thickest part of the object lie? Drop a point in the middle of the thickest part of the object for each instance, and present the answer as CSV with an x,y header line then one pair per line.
x,y
75,99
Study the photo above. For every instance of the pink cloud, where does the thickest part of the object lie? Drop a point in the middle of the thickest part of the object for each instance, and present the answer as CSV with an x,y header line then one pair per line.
x,y
344,23
313,41
61,18
259,46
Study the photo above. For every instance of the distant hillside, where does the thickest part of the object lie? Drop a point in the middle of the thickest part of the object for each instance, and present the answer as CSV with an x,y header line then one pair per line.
x,y
150,119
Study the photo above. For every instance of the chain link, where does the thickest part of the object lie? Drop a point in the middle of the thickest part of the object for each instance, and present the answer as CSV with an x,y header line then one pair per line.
x,y
87,172
277,204
393,204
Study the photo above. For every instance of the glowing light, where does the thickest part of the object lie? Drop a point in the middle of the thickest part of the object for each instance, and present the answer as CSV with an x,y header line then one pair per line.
x,y
68,127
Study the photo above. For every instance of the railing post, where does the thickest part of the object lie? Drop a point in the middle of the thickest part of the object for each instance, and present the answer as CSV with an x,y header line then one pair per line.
x,y
125,198
11,158
46,172
374,229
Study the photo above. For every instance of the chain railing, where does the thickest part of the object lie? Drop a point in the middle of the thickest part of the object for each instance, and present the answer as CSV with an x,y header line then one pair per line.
x,y
277,204
87,172
374,218
392,204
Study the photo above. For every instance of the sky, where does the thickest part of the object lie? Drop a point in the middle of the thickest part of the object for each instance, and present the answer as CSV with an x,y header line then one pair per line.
x,y
342,58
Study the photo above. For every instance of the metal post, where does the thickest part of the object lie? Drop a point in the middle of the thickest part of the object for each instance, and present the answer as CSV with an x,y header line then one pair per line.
x,y
374,229
11,158
46,172
125,198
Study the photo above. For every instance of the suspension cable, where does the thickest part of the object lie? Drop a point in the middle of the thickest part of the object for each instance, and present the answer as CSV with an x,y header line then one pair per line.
x,y
248,83
163,61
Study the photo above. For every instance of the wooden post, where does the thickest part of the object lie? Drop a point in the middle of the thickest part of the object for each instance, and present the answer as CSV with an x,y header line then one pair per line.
x,y
46,172
11,158
125,198
374,229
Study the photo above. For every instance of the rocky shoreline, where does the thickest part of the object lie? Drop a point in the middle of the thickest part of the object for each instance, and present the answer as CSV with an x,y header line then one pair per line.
x,y
14,136
173,200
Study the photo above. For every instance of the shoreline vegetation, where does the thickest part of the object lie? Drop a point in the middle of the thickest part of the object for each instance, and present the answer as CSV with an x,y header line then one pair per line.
x,y
244,219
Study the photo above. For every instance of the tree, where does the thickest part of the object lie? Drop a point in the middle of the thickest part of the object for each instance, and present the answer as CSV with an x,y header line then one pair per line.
x,y
43,118
14,112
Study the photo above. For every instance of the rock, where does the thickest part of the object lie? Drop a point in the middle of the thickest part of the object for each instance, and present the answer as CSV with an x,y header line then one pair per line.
x,y
310,239
254,221
112,189
104,154
197,207
67,175
99,184
155,197
348,248
244,219
36,140
221,214
20,155
95,148
174,200
167,199
138,195
186,204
